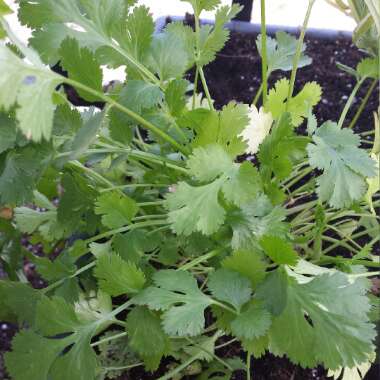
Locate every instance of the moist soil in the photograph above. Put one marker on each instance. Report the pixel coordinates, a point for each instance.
(235, 75)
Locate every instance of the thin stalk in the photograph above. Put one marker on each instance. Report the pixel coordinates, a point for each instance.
(108, 339)
(233, 340)
(249, 357)
(341, 260)
(195, 86)
(258, 94)
(180, 368)
(200, 259)
(350, 101)
(205, 87)
(126, 367)
(225, 307)
(264, 57)
(62, 280)
(125, 229)
(148, 125)
(299, 52)
(363, 104)
(134, 186)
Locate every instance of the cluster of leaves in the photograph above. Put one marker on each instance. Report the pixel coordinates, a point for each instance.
(157, 220)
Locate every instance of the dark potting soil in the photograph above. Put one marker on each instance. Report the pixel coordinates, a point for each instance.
(235, 75)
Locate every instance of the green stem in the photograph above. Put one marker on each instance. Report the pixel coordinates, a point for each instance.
(258, 94)
(205, 87)
(341, 260)
(61, 281)
(264, 57)
(195, 86)
(108, 369)
(180, 368)
(200, 259)
(299, 52)
(249, 357)
(135, 186)
(350, 101)
(363, 104)
(108, 339)
(148, 125)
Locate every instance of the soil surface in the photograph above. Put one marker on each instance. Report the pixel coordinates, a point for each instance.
(235, 75)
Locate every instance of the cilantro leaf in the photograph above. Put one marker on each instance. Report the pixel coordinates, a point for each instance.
(368, 67)
(177, 294)
(345, 166)
(117, 276)
(203, 5)
(144, 327)
(194, 209)
(299, 106)
(31, 88)
(175, 96)
(224, 128)
(281, 51)
(82, 67)
(213, 38)
(230, 287)
(116, 209)
(252, 323)
(8, 132)
(55, 317)
(248, 264)
(22, 169)
(279, 250)
(325, 321)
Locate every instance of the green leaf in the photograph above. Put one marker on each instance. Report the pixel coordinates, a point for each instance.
(86, 134)
(30, 87)
(4, 9)
(325, 321)
(203, 5)
(279, 250)
(116, 209)
(194, 209)
(82, 67)
(175, 96)
(345, 166)
(213, 38)
(8, 132)
(177, 294)
(256, 219)
(248, 264)
(252, 323)
(299, 106)
(168, 57)
(281, 51)
(229, 286)
(21, 171)
(117, 277)
(369, 68)
(141, 95)
(144, 327)
(208, 163)
(66, 356)
(18, 302)
(75, 210)
(223, 128)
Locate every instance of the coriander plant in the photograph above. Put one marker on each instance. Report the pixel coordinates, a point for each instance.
(170, 228)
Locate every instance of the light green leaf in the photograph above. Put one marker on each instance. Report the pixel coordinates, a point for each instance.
(116, 209)
(252, 323)
(281, 51)
(345, 166)
(194, 209)
(177, 294)
(339, 333)
(140, 95)
(21, 171)
(144, 327)
(299, 106)
(31, 88)
(82, 67)
(248, 264)
(8, 132)
(200, 5)
(117, 277)
(229, 286)
(280, 251)
(369, 68)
